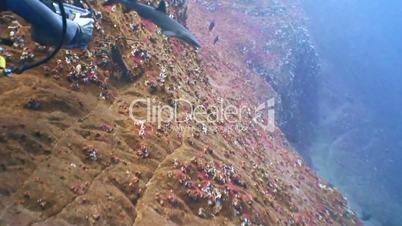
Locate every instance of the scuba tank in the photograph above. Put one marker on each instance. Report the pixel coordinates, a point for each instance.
(72, 10)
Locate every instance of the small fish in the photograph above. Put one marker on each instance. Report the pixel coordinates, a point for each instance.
(211, 25)
(216, 39)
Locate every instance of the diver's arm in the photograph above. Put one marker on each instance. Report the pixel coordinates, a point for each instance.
(47, 25)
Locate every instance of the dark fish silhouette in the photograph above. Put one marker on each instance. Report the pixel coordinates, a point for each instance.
(216, 39)
(211, 25)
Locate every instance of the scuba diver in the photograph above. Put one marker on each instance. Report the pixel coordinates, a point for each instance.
(49, 28)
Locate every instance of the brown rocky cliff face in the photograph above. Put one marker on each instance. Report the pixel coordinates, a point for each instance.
(80, 160)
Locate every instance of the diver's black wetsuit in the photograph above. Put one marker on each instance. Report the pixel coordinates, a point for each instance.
(47, 25)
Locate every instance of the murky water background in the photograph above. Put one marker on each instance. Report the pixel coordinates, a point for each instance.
(358, 146)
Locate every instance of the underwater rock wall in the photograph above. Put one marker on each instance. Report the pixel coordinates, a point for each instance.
(72, 155)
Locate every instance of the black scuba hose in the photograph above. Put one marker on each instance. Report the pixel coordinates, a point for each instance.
(20, 69)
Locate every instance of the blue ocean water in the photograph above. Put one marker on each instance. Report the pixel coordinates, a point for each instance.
(358, 145)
